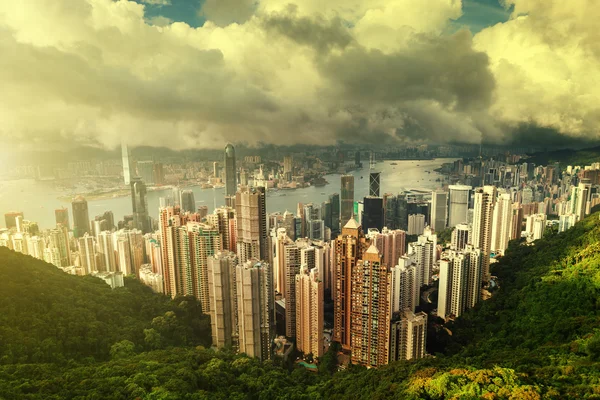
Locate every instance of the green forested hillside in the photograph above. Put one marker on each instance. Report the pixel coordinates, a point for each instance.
(49, 316)
(566, 157)
(537, 338)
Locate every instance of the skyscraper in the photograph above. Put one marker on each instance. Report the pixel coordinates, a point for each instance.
(458, 204)
(581, 204)
(460, 282)
(334, 199)
(326, 214)
(205, 241)
(517, 221)
(349, 248)
(280, 241)
(255, 305)
(230, 171)
(107, 252)
(62, 216)
(224, 219)
(359, 208)
(396, 211)
(347, 206)
(188, 203)
(81, 217)
(374, 184)
(189, 247)
(139, 205)
(566, 221)
(391, 244)
(291, 267)
(36, 246)
(371, 311)
(288, 168)
(51, 256)
(123, 252)
(87, 254)
(416, 224)
(251, 217)
(202, 211)
(535, 226)
(146, 171)
(222, 299)
(158, 174)
(11, 219)
(126, 158)
(424, 253)
(501, 224)
(373, 213)
(408, 336)
(59, 239)
(460, 237)
(404, 286)
(169, 220)
(309, 311)
(483, 207)
(439, 210)
(136, 250)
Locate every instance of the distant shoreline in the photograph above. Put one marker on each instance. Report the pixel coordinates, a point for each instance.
(111, 194)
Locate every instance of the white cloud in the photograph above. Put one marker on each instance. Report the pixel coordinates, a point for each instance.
(160, 20)
(546, 60)
(96, 71)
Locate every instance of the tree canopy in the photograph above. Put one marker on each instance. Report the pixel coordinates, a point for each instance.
(538, 337)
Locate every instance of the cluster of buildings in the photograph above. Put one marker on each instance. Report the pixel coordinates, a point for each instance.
(250, 269)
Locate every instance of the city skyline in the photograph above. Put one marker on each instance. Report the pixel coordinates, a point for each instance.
(257, 273)
(339, 199)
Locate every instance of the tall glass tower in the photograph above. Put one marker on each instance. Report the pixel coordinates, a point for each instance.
(230, 171)
(139, 205)
(126, 157)
(81, 218)
(347, 209)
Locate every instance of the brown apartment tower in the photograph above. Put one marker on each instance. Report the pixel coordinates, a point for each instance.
(349, 248)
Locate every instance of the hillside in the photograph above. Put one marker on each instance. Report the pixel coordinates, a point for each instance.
(49, 316)
(537, 338)
(566, 157)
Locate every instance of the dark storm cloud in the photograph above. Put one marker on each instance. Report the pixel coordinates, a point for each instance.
(316, 72)
(316, 32)
(529, 134)
(444, 69)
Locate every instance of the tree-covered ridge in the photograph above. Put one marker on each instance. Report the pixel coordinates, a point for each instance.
(549, 297)
(566, 157)
(537, 338)
(49, 316)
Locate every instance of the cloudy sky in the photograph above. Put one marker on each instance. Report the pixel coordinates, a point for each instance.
(200, 73)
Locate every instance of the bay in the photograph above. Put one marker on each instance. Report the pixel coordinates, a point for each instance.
(38, 199)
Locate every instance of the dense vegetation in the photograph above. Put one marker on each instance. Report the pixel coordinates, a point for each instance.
(538, 337)
(566, 157)
(49, 316)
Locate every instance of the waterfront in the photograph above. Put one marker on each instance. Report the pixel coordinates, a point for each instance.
(39, 199)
